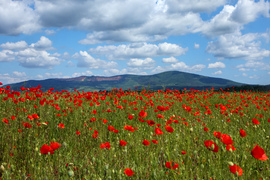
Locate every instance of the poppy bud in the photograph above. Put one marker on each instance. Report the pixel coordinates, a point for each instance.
(230, 150)
(191, 129)
(36, 149)
(230, 163)
(267, 137)
(212, 147)
(70, 173)
(2, 168)
(64, 144)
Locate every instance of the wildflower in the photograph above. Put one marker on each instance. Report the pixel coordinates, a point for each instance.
(143, 113)
(259, 153)
(211, 146)
(217, 134)
(158, 131)
(129, 172)
(226, 139)
(236, 169)
(55, 145)
(206, 129)
(122, 143)
(45, 149)
(243, 133)
(171, 165)
(155, 141)
(169, 129)
(230, 147)
(255, 121)
(145, 142)
(61, 125)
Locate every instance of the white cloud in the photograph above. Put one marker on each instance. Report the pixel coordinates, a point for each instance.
(216, 65)
(14, 77)
(30, 56)
(170, 60)
(237, 46)
(268, 73)
(85, 60)
(111, 72)
(49, 32)
(243, 69)
(196, 46)
(232, 18)
(179, 66)
(217, 73)
(185, 6)
(138, 50)
(86, 73)
(43, 44)
(20, 45)
(254, 77)
(244, 74)
(19, 74)
(247, 11)
(147, 63)
(17, 17)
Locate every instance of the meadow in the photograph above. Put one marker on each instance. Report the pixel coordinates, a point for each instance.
(166, 134)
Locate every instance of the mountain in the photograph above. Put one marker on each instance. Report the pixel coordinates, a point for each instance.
(168, 80)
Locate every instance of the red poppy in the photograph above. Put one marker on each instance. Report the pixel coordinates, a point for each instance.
(171, 165)
(158, 131)
(35, 116)
(123, 143)
(146, 143)
(129, 172)
(226, 139)
(143, 113)
(255, 121)
(105, 121)
(235, 169)
(243, 133)
(150, 123)
(78, 133)
(111, 128)
(155, 141)
(183, 152)
(130, 117)
(211, 146)
(129, 128)
(27, 125)
(5, 120)
(169, 129)
(55, 145)
(45, 149)
(217, 134)
(105, 145)
(61, 125)
(259, 153)
(230, 146)
(206, 129)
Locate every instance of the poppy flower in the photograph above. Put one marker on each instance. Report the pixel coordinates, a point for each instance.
(55, 145)
(171, 165)
(129, 172)
(130, 117)
(78, 133)
(105, 145)
(122, 143)
(150, 123)
(226, 139)
(211, 146)
(217, 134)
(169, 129)
(158, 131)
(155, 141)
(255, 121)
(206, 129)
(235, 169)
(61, 125)
(183, 152)
(143, 113)
(111, 128)
(45, 149)
(243, 133)
(259, 153)
(230, 146)
(129, 128)
(27, 125)
(146, 143)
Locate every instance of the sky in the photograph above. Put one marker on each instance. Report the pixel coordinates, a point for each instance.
(42, 39)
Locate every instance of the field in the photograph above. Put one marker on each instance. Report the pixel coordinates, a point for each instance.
(189, 134)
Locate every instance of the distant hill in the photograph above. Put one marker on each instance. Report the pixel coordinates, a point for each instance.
(168, 80)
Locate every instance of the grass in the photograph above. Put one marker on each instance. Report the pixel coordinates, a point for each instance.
(87, 127)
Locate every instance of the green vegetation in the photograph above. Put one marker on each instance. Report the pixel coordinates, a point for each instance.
(134, 135)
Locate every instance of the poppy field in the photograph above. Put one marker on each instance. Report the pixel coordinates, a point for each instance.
(164, 134)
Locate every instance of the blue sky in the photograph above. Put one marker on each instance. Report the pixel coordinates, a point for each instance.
(41, 39)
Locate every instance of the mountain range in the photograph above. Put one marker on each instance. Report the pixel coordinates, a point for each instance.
(165, 80)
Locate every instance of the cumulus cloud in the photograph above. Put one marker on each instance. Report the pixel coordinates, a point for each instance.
(232, 18)
(180, 66)
(216, 65)
(170, 60)
(138, 50)
(86, 73)
(85, 60)
(17, 17)
(30, 56)
(196, 46)
(217, 72)
(14, 77)
(237, 46)
(147, 63)
(112, 72)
